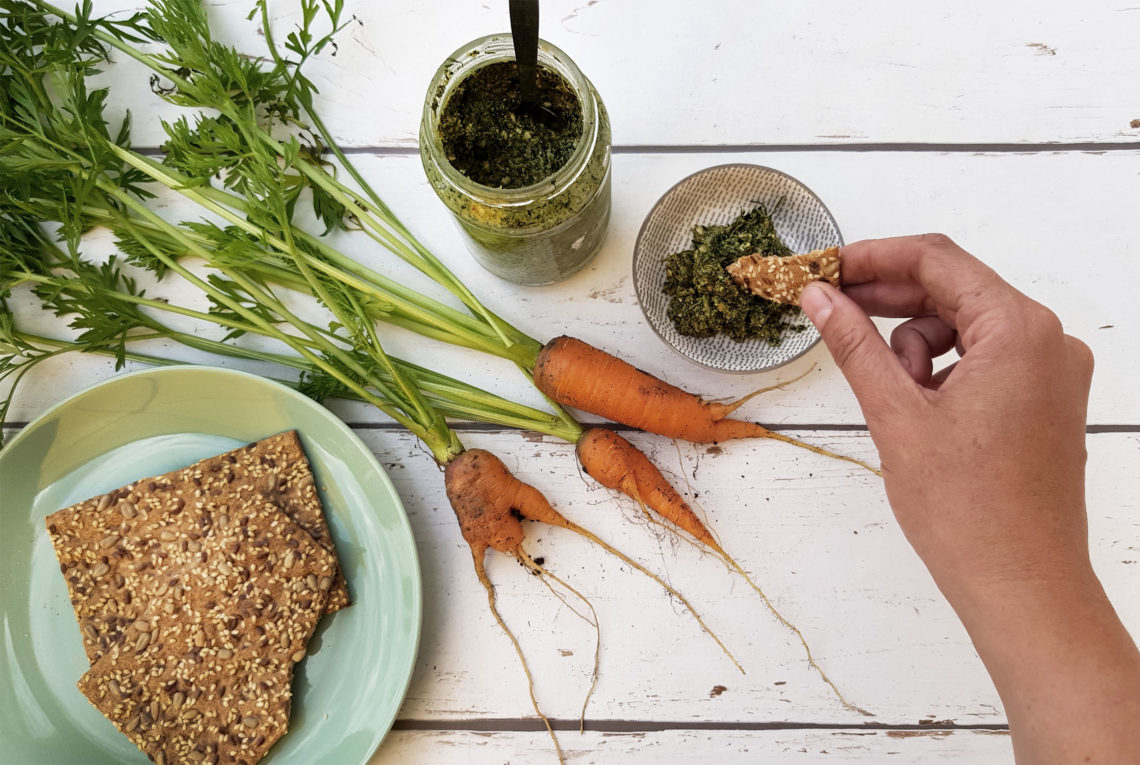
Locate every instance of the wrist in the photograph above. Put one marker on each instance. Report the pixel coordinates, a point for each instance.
(1025, 596)
(1058, 653)
(1032, 604)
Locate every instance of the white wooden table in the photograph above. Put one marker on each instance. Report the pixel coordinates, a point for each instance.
(1012, 126)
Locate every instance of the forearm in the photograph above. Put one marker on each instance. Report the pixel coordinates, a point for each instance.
(983, 464)
(1066, 669)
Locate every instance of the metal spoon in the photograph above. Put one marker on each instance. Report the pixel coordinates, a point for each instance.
(524, 33)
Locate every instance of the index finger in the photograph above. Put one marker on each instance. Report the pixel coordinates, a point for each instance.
(928, 271)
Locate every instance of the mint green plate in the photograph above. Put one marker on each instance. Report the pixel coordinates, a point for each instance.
(346, 693)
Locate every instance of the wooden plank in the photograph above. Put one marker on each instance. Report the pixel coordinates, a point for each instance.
(816, 535)
(1060, 226)
(746, 73)
(802, 747)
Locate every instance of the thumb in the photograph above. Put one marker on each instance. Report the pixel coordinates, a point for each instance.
(872, 370)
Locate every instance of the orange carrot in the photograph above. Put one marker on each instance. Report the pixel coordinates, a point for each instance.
(617, 464)
(577, 374)
(490, 503)
(483, 492)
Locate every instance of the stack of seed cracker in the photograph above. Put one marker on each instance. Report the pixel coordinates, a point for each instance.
(196, 594)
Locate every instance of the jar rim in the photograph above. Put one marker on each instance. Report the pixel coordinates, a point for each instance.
(496, 48)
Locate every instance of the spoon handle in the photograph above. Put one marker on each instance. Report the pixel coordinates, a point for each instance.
(524, 32)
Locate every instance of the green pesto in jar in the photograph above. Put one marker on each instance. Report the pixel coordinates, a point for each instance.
(549, 228)
(492, 139)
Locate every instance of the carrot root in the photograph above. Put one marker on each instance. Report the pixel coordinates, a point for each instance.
(623, 460)
(720, 411)
(481, 573)
(734, 566)
(820, 450)
(544, 574)
(661, 582)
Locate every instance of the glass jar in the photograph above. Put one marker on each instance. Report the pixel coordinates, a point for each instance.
(536, 234)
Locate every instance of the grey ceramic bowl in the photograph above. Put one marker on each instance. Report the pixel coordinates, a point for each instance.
(716, 196)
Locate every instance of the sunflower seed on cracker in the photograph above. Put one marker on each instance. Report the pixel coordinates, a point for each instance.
(208, 671)
(91, 538)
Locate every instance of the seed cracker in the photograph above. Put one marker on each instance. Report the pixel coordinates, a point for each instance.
(202, 672)
(277, 467)
(781, 280)
(103, 575)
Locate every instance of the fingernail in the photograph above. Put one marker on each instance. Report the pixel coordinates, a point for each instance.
(816, 303)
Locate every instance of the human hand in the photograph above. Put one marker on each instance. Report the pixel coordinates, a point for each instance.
(984, 464)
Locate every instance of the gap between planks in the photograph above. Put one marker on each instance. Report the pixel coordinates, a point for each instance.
(533, 725)
(823, 427)
(1088, 147)
(478, 427)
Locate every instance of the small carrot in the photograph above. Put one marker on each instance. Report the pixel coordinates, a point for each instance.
(617, 464)
(489, 502)
(577, 374)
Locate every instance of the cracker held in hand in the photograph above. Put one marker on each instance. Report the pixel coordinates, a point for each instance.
(781, 280)
(203, 670)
